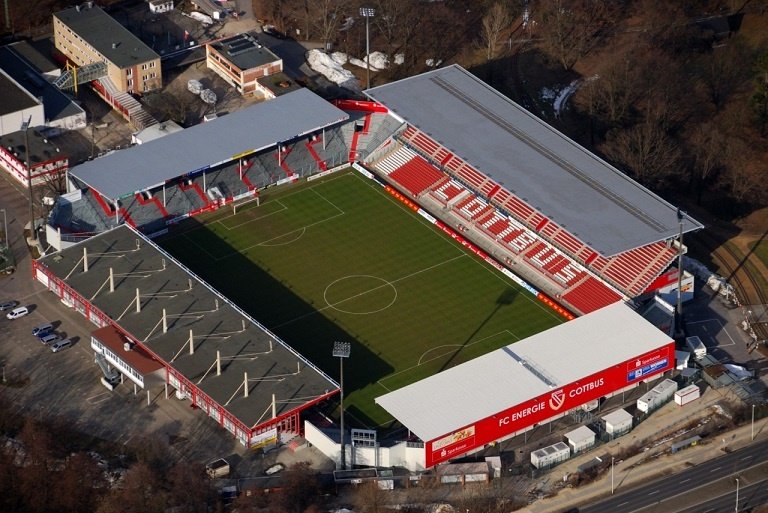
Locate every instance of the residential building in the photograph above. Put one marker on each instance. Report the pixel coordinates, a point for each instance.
(242, 61)
(86, 34)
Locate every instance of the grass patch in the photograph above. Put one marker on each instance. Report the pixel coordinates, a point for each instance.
(339, 259)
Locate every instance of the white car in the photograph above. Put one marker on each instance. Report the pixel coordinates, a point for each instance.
(17, 312)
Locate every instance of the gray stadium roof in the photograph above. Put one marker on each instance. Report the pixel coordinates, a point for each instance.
(497, 381)
(106, 35)
(190, 305)
(221, 140)
(571, 186)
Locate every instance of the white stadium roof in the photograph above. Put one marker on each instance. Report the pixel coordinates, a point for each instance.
(582, 193)
(252, 129)
(482, 387)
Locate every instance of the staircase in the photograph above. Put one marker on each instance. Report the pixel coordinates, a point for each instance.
(138, 117)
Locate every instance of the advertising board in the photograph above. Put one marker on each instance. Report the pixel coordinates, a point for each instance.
(543, 407)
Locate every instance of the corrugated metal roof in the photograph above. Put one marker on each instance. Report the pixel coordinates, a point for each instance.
(568, 184)
(254, 128)
(482, 387)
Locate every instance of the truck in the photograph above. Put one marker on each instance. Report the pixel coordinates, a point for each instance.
(696, 346)
(217, 468)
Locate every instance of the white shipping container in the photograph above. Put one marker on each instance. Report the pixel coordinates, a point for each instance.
(687, 394)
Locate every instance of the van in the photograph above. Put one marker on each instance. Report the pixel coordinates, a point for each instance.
(17, 312)
(42, 329)
(696, 346)
(61, 345)
(49, 338)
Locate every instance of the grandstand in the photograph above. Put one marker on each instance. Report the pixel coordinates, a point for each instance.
(188, 173)
(517, 187)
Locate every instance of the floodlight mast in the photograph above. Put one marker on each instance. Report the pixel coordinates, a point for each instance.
(367, 13)
(341, 350)
(33, 231)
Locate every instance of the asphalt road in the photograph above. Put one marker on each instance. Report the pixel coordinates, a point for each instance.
(658, 494)
(749, 497)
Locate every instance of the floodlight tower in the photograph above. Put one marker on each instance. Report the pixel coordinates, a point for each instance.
(33, 230)
(341, 350)
(367, 13)
(679, 332)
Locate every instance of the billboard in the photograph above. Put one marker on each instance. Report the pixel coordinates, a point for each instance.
(541, 408)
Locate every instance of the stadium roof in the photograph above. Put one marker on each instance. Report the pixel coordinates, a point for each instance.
(208, 144)
(491, 383)
(190, 304)
(566, 183)
(106, 35)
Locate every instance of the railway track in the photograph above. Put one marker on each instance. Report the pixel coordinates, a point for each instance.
(749, 289)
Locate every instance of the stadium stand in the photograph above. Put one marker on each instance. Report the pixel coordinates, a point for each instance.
(589, 295)
(416, 175)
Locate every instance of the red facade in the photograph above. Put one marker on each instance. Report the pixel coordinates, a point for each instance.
(545, 406)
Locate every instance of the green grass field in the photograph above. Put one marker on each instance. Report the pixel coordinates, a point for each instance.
(340, 259)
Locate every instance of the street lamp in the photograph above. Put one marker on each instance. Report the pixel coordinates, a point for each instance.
(25, 127)
(737, 496)
(341, 351)
(612, 459)
(753, 422)
(367, 12)
(8, 246)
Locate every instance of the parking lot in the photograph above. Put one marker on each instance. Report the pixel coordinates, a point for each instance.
(67, 384)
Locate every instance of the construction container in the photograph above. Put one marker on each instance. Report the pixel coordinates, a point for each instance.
(687, 394)
(550, 455)
(657, 396)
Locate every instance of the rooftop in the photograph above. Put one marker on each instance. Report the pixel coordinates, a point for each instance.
(222, 140)
(591, 199)
(619, 416)
(106, 35)
(41, 149)
(244, 51)
(34, 57)
(193, 310)
(580, 434)
(521, 371)
(15, 97)
(139, 360)
(56, 104)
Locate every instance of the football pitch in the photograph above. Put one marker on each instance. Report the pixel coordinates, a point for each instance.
(341, 259)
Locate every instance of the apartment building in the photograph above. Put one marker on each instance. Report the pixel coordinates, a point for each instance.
(242, 61)
(86, 34)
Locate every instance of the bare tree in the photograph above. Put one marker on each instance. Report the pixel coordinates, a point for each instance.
(571, 28)
(495, 22)
(327, 17)
(646, 151)
(707, 149)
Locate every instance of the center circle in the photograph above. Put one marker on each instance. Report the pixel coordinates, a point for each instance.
(360, 294)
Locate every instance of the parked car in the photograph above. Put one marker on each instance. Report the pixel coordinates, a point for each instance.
(61, 345)
(18, 312)
(42, 329)
(49, 338)
(7, 305)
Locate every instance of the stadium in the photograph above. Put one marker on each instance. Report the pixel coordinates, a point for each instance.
(464, 235)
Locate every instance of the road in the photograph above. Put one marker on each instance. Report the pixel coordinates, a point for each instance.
(659, 494)
(749, 497)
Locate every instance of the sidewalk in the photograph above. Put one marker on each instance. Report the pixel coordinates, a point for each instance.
(654, 462)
